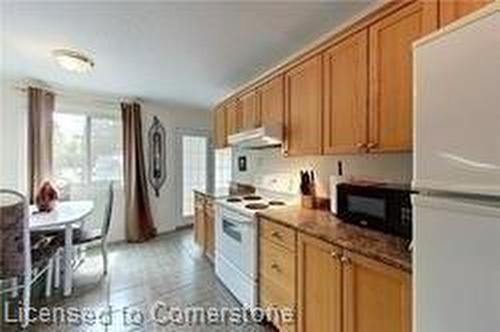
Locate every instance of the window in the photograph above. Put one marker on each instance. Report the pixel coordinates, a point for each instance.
(223, 167)
(87, 148)
(194, 170)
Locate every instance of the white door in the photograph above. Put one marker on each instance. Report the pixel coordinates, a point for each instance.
(194, 169)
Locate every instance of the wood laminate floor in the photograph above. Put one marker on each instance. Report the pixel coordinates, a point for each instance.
(168, 271)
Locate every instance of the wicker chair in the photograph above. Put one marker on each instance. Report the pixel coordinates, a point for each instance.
(23, 258)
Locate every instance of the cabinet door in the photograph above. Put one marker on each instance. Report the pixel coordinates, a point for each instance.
(209, 229)
(391, 74)
(272, 102)
(303, 109)
(250, 110)
(233, 117)
(451, 10)
(319, 286)
(219, 128)
(199, 221)
(346, 95)
(377, 297)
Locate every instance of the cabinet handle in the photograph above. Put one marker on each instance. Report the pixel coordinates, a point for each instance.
(345, 260)
(372, 145)
(276, 235)
(360, 145)
(334, 255)
(275, 267)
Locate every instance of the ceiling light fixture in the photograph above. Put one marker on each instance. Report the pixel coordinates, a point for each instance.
(73, 61)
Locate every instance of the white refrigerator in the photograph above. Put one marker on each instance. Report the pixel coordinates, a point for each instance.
(457, 171)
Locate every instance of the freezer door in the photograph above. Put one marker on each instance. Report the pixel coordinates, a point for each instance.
(457, 108)
(456, 266)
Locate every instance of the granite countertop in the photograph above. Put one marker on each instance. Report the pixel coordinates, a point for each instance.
(386, 248)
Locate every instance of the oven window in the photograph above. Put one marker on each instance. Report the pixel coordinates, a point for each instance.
(231, 230)
(374, 207)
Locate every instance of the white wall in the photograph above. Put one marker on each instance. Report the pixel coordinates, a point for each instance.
(385, 167)
(165, 209)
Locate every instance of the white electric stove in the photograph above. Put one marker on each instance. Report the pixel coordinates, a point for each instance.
(236, 234)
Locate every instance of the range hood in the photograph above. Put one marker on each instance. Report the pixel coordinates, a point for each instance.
(258, 138)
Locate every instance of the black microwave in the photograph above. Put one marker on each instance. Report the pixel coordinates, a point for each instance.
(383, 207)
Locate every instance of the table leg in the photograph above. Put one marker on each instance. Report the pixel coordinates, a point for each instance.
(68, 255)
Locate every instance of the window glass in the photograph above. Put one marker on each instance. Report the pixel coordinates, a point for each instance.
(223, 167)
(69, 147)
(194, 164)
(106, 149)
(87, 149)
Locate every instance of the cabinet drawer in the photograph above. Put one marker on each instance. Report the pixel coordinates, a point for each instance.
(279, 234)
(272, 296)
(278, 265)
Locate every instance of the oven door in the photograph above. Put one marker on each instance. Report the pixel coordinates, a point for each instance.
(236, 241)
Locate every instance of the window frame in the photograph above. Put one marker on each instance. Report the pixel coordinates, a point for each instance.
(86, 178)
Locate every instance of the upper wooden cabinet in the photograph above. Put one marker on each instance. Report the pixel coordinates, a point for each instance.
(390, 106)
(377, 297)
(233, 117)
(451, 10)
(319, 282)
(303, 108)
(219, 128)
(345, 122)
(250, 110)
(272, 101)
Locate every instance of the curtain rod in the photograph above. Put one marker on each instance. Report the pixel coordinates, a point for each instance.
(79, 95)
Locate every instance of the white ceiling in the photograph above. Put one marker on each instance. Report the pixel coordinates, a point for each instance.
(182, 53)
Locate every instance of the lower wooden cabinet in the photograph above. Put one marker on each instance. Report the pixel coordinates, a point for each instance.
(204, 223)
(377, 297)
(319, 286)
(342, 291)
(199, 219)
(209, 248)
(277, 272)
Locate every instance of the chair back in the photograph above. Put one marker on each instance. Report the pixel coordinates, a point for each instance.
(108, 211)
(15, 251)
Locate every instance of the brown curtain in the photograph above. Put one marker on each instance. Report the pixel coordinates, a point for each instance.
(139, 221)
(40, 111)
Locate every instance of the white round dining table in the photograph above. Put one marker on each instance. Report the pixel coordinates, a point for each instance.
(64, 217)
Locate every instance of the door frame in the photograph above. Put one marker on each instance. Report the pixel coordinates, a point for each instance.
(178, 180)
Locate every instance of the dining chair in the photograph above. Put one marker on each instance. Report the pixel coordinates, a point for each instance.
(24, 258)
(84, 236)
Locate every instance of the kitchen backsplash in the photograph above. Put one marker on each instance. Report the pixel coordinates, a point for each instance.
(382, 167)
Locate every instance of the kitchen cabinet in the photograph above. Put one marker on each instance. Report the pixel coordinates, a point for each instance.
(319, 286)
(199, 219)
(345, 122)
(303, 108)
(451, 10)
(377, 297)
(204, 224)
(331, 288)
(219, 128)
(209, 248)
(233, 117)
(390, 61)
(272, 102)
(277, 271)
(250, 110)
